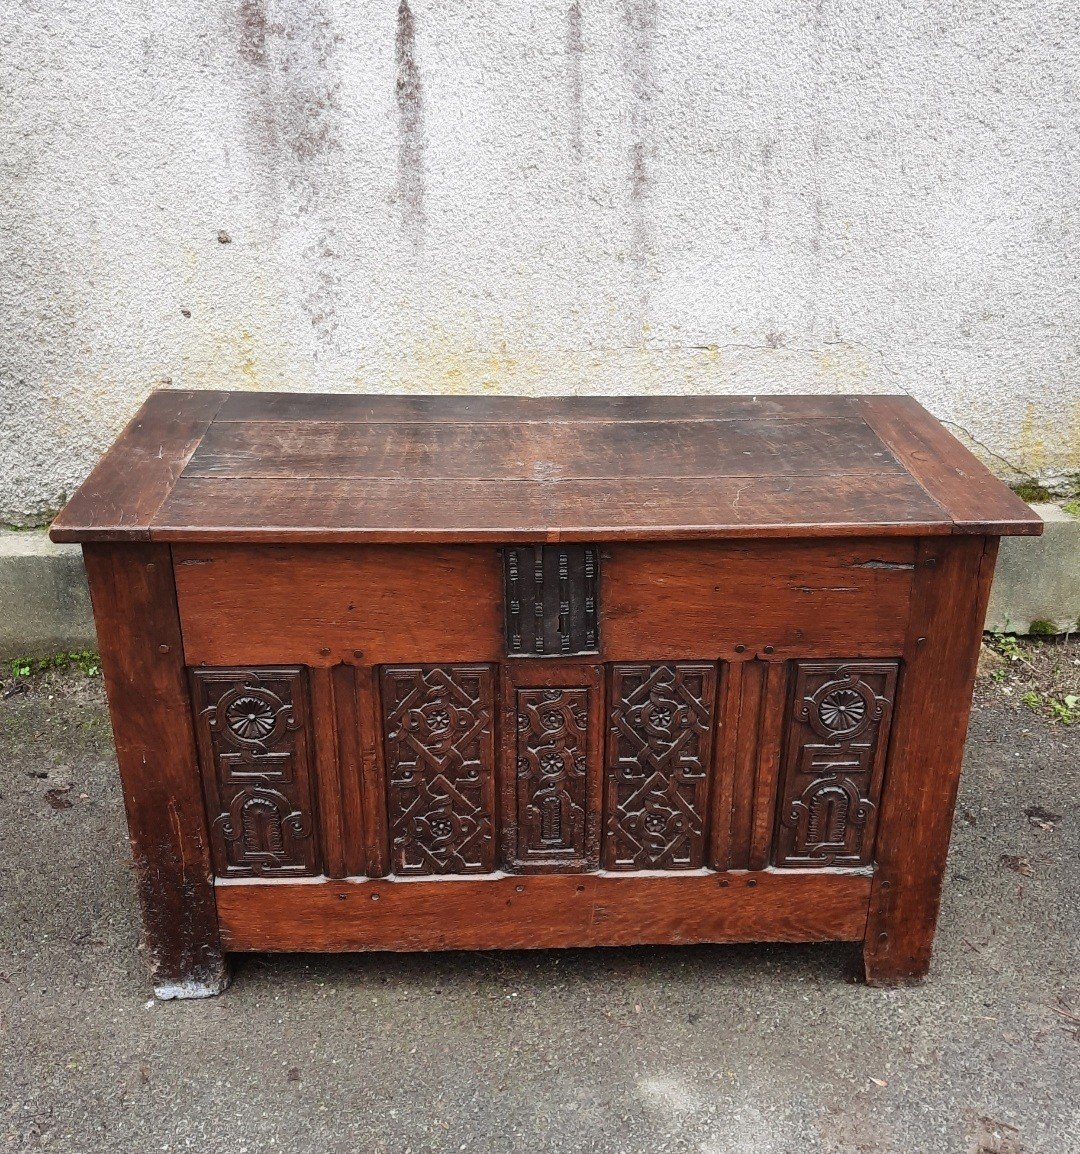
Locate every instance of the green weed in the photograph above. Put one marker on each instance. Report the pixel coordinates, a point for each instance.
(86, 661)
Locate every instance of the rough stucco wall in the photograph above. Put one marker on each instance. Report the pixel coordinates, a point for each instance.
(570, 196)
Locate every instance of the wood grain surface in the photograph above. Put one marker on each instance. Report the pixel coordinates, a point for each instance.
(121, 496)
(309, 592)
(298, 467)
(142, 663)
(543, 911)
(926, 754)
(661, 601)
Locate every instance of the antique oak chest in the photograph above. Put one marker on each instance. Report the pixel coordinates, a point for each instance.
(418, 673)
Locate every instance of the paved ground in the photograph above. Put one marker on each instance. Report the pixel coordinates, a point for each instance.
(766, 1050)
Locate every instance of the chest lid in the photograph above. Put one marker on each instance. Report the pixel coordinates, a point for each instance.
(295, 467)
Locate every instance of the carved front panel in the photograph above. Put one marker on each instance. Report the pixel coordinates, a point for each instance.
(658, 765)
(440, 768)
(254, 749)
(552, 767)
(834, 759)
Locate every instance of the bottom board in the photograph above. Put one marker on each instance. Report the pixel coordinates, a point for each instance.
(542, 911)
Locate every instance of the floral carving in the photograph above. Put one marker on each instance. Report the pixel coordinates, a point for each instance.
(253, 749)
(842, 711)
(841, 708)
(658, 764)
(552, 749)
(834, 762)
(440, 768)
(250, 718)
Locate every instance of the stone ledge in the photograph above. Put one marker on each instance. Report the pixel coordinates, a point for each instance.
(45, 604)
(1038, 578)
(44, 599)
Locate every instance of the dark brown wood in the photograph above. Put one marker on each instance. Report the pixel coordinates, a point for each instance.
(933, 705)
(134, 602)
(357, 765)
(552, 754)
(544, 911)
(975, 500)
(660, 602)
(726, 744)
(766, 599)
(744, 765)
(366, 606)
(121, 496)
(254, 737)
(366, 407)
(368, 715)
(770, 734)
(379, 511)
(838, 731)
(382, 470)
(559, 449)
(330, 766)
(660, 721)
(372, 697)
(438, 723)
(551, 600)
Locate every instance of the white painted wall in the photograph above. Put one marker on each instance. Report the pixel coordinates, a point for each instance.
(537, 196)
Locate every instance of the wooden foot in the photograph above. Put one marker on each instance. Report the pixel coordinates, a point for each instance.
(207, 984)
(889, 971)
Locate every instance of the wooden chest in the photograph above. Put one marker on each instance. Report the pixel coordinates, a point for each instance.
(416, 673)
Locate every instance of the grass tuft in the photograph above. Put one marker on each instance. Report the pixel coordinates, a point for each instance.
(84, 660)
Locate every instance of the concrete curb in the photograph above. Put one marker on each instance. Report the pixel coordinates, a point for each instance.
(45, 604)
(1037, 582)
(44, 599)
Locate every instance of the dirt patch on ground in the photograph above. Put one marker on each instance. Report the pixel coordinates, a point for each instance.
(1042, 675)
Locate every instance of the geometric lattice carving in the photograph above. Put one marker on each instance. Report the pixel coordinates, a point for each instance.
(254, 750)
(660, 725)
(552, 766)
(551, 600)
(440, 768)
(838, 732)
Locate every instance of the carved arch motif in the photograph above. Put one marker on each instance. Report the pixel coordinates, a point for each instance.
(834, 762)
(254, 751)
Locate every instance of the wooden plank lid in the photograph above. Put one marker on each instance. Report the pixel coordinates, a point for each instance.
(283, 467)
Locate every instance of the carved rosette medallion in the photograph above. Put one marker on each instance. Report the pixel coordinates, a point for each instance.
(658, 765)
(254, 750)
(437, 726)
(834, 762)
(552, 768)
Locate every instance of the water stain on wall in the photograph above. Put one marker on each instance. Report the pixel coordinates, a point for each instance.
(438, 363)
(287, 65)
(574, 52)
(639, 18)
(409, 97)
(1047, 446)
(252, 18)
